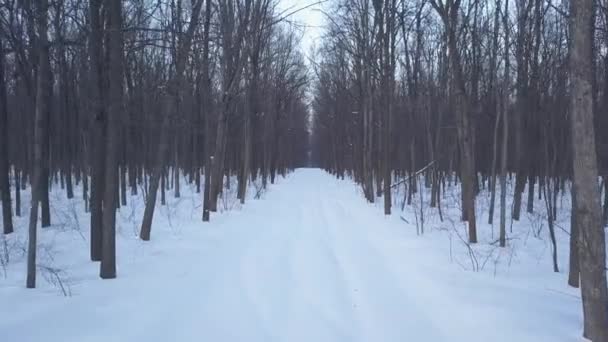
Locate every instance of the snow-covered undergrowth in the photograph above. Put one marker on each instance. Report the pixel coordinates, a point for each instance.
(309, 261)
(523, 270)
(528, 251)
(63, 248)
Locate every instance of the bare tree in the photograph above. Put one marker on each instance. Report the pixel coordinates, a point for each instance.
(173, 105)
(98, 129)
(505, 128)
(5, 189)
(114, 113)
(591, 237)
(234, 17)
(41, 124)
(449, 13)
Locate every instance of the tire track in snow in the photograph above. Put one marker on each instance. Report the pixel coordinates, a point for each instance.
(320, 305)
(265, 272)
(388, 312)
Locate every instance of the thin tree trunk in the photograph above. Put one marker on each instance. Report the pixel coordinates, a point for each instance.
(176, 192)
(531, 184)
(98, 128)
(206, 94)
(494, 105)
(69, 188)
(551, 219)
(574, 270)
(47, 91)
(18, 180)
(5, 188)
(123, 184)
(605, 213)
(505, 132)
(146, 225)
(493, 176)
(85, 192)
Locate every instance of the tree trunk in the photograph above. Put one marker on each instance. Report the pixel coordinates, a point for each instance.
(146, 225)
(207, 190)
(17, 174)
(605, 214)
(493, 172)
(591, 237)
(40, 128)
(170, 112)
(115, 112)
(47, 92)
(505, 132)
(574, 270)
(5, 188)
(449, 14)
(98, 128)
(123, 184)
(494, 105)
(206, 101)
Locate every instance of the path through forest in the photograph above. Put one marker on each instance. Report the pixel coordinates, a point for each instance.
(312, 261)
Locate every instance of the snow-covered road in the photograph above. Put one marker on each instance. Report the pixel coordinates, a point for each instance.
(312, 261)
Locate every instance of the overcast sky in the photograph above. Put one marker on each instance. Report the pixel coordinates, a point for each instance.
(310, 20)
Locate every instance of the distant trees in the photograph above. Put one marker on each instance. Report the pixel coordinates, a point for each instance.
(119, 96)
(483, 92)
(480, 91)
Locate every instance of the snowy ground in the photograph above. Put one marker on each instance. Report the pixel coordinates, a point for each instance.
(310, 261)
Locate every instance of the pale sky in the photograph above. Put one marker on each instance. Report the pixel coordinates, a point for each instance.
(310, 20)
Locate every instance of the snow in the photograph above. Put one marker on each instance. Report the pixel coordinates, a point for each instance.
(310, 261)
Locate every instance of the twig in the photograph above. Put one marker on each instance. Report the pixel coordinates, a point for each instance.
(53, 276)
(414, 175)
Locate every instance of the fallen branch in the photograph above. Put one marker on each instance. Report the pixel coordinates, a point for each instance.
(414, 175)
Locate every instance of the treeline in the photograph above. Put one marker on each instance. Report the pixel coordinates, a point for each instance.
(414, 93)
(119, 96)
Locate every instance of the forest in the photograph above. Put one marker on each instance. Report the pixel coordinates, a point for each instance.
(113, 101)
(424, 93)
(128, 97)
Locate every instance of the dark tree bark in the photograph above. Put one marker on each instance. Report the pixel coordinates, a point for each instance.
(524, 9)
(591, 237)
(206, 100)
(234, 19)
(5, 189)
(17, 174)
(605, 213)
(98, 129)
(574, 270)
(448, 12)
(494, 103)
(505, 130)
(40, 132)
(114, 111)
